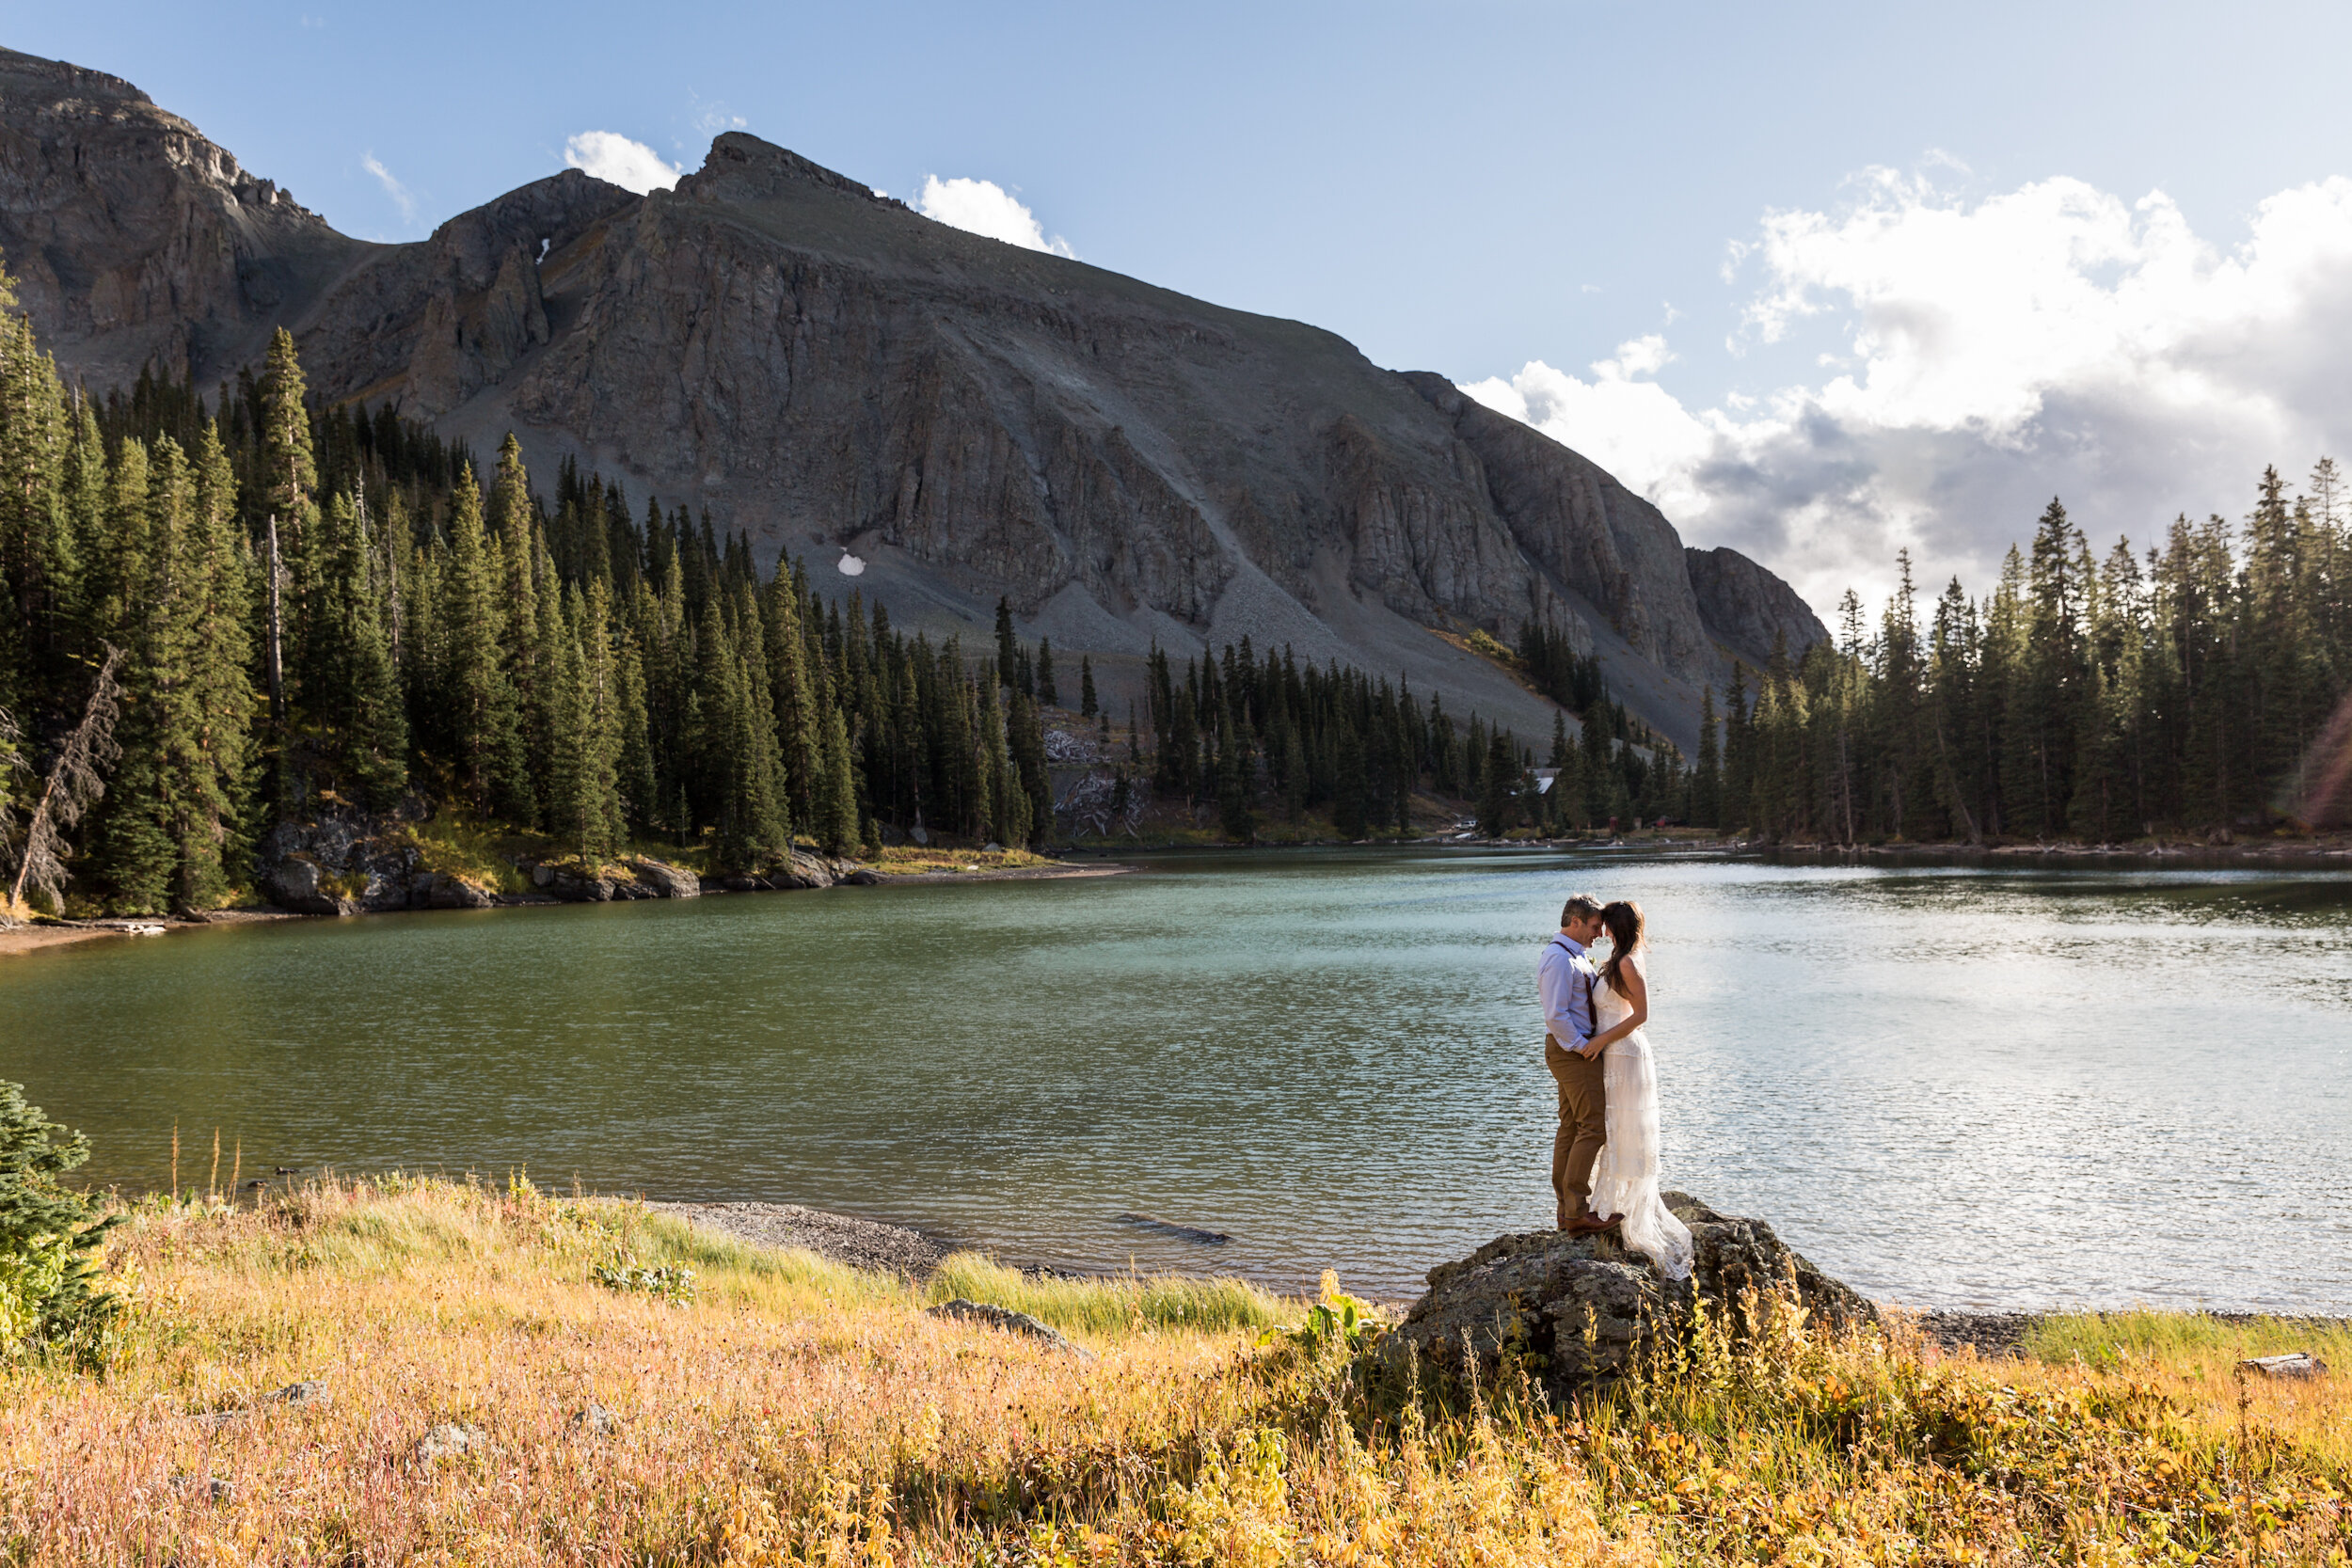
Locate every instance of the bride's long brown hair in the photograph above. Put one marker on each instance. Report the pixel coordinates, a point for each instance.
(1623, 921)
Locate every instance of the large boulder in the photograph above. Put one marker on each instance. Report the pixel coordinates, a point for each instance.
(1575, 1313)
(667, 881)
(438, 889)
(575, 882)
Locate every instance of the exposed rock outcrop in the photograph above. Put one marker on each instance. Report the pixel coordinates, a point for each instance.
(1748, 608)
(1574, 1312)
(821, 367)
(667, 881)
(350, 863)
(135, 241)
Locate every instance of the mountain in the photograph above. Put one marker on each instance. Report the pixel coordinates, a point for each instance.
(842, 377)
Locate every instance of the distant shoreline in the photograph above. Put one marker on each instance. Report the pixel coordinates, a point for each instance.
(38, 938)
(2330, 853)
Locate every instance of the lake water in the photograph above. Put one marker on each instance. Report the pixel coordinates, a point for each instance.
(1952, 1087)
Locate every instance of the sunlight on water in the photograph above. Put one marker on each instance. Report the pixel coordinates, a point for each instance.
(1948, 1086)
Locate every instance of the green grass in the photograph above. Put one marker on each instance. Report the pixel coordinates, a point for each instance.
(453, 843)
(1108, 1307)
(2108, 1340)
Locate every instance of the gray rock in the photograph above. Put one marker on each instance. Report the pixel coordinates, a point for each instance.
(572, 884)
(1011, 1322)
(1748, 608)
(296, 882)
(1576, 1312)
(2297, 1366)
(667, 881)
(861, 878)
(308, 1392)
(448, 1441)
(431, 890)
(1181, 1232)
(595, 1420)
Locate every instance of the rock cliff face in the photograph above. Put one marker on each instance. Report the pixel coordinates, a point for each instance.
(826, 368)
(1749, 609)
(135, 241)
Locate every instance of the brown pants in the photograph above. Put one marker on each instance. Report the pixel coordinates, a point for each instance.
(1583, 1128)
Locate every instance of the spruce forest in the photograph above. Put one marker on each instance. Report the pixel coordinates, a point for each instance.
(228, 613)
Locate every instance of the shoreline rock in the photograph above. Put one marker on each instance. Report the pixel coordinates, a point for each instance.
(1576, 1312)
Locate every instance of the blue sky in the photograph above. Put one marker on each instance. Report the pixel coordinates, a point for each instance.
(1822, 279)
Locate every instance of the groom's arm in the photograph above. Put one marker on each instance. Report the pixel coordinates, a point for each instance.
(1567, 1016)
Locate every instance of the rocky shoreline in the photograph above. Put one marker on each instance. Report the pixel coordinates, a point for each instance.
(553, 883)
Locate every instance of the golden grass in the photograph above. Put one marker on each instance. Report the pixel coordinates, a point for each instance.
(453, 843)
(797, 1411)
(905, 860)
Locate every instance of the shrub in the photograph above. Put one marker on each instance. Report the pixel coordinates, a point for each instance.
(1482, 644)
(49, 1293)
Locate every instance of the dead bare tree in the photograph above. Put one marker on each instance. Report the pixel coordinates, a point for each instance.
(76, 781)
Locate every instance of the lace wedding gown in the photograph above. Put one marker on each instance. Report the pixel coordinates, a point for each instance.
(1626, 1180)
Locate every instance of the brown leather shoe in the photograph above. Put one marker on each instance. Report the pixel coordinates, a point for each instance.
(1584, 1225)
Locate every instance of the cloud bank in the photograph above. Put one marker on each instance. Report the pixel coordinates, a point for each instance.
(611, 156)
(984, 207)
(1979, 357)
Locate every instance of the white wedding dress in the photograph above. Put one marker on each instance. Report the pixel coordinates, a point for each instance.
(1626, 1180)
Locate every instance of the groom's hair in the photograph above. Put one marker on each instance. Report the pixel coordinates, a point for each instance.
(1582, 907)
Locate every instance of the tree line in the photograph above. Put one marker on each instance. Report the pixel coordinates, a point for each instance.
(224, 612)
(2199, 686)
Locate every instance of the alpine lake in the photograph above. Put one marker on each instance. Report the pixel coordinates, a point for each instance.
(1953, 1087)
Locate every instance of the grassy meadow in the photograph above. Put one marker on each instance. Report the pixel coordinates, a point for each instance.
(486, 1395)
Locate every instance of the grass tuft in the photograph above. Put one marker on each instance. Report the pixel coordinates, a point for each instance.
(1109, 1306)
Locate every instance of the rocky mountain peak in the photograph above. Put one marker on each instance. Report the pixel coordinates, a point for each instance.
(774, 344)
(741, 166)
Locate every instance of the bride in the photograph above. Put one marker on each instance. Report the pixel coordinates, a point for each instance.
(1626, 1180)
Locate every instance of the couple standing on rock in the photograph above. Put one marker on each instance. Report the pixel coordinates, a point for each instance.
(1604, 1159)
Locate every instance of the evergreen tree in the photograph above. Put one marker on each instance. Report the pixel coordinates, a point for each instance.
(1045, 675)
(836, 822)
(1349, 812)
(1008, 650)
(1497, 778)
(1706, 780)
(1088, 708)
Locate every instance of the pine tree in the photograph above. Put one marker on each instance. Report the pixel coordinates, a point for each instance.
(836, 822)
(353, 695)
(1088, 708)
(1348, 807)
(487, 730)
(1008, 650)
(1498, 777)
(1707, 781)
(1233, 786)
(1045, 675)
(1025, 733)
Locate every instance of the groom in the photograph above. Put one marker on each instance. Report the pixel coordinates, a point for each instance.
(1564, 977)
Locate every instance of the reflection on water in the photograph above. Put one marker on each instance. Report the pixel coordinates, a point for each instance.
(1949, 1087)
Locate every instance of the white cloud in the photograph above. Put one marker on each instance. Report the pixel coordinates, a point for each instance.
(1983, 357)
(630, 164)
(984, 207)
(402, 197)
